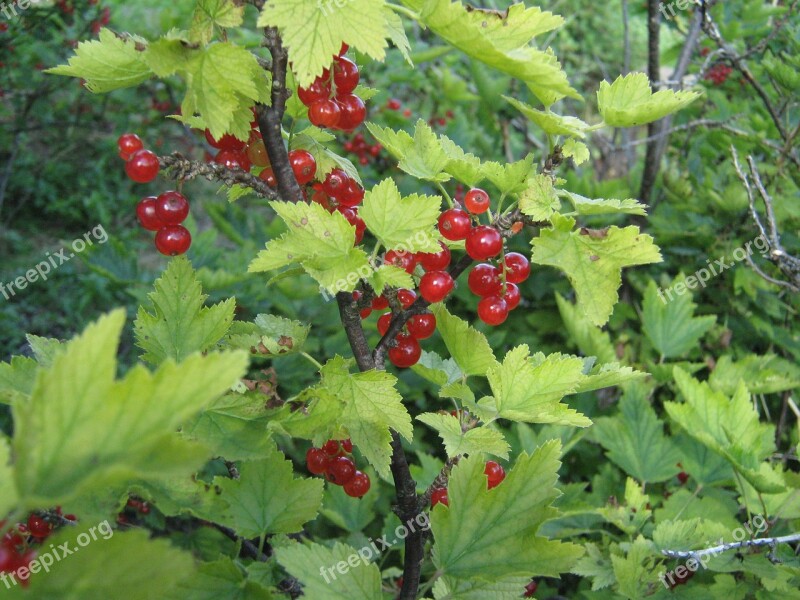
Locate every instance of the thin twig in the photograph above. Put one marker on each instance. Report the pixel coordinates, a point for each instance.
(179, 168)
(758, 542)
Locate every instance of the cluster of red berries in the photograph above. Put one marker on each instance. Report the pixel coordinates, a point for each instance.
(133, 506)
(330, 99)
(17, 547)
(365, 151)
(495, 474)
(341, 192)
(718, 74)
(334, 461)
(164, 214)
(141, 165)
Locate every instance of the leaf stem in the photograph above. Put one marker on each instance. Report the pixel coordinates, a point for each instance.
(445, 194)
(311, 359)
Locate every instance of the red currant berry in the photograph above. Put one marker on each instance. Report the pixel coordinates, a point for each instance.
(331, 448)
(341, 470)
(406, 351)
(317, 461)
(401, 259)
(439, 496)
(406, 297)
(476, 201)
(512, 296)
(172, 208)
(352, 195)
(495, 473)
(365, 312)
(128, 144)
(492, 310)
(347, 445)
(304, 165)
(517, 267)
(319, 90)
(143, 166)
(173, 240)
(454, 224)
(12, 539)
(146, 212)
(484, 242)
(226, 142)
(353, 111)
(343, 50)
(683, 477)
(8, 559)
(484, 280)
(393, 104)
(435, 261)
(324, 113)
(345, 75)
(268, 176)
(421, 327)
(384, 321)
(257, 152)
(435, 286)
(336, 183)
(38, 527)
(232, 159)
(379, 303)
(354, 220)
(358, 486)
(530, 589)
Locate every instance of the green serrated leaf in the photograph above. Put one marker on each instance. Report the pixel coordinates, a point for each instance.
(507, 588)
(577, 151)
(510, 178)
(539, 200)
(466, 168)
(179, 324)
(671, 326)
(468, 346)
(590, 339)
(595, 565)
(390, 276)
(16, 378)
(107, 63)
(766, 374)
(494, 532)
(209, 14)
(437, 370)
(44, 349)
(604, 206)
(549, 122)
(629, 101)
(8, 500)
(222, 578)
(267, 498)
(478, 440)
(271, 336)
(593, 261)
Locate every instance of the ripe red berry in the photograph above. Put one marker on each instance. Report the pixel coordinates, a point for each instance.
(146, 212)
(352, 195)
(324, 113)
(406, 297)
(439, 496)
(530, 589)
(38, 527)
(268, 176)
(484, 280)
(354, 220)
(232, 159)
(476, 201)
(353, 111)
(406, 351)
(128, 144)
(365, 312)
(341, 470)
(517, 267)
(331, 448)
(226, 142)
(335, 183)
(347, 445)
(421, 327)
(435, 286)
(319, 90)
(511, 295)
(173, 240)
(393, 104)
(435, 261)
(143, 166)
(345, 75)
(304, 165)
(358, 486)
(317, 461)
(484, 242)
(683, 477)
(384, 321)
(454, 224)
(495, 473)
(379, 303)
(401, 259)
(172, 208)
(492, 310)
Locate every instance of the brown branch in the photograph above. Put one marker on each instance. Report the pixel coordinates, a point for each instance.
(440, 481)
(270, 119)
(179, 168)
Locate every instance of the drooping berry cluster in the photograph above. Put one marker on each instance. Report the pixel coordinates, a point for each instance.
(18, 545)
(365, 152)
(330, 99)
(495, 474)
(718, 74)
(334, 461)
(164, 215)
(141, 165)
(341, 192)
